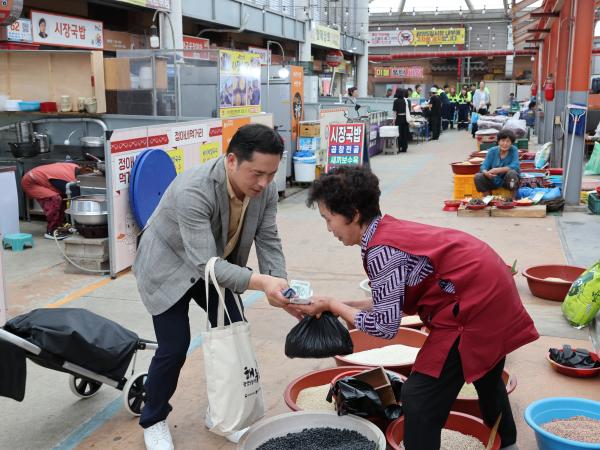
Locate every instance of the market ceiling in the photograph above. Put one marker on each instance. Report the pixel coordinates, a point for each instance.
(447, 6)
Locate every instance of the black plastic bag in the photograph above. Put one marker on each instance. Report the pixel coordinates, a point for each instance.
(318, 338)
(578, 358)
(79, 337)
(353, 396)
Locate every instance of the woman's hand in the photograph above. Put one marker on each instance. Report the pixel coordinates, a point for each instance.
(318, 306)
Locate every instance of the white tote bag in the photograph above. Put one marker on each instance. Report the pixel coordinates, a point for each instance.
(235, 398)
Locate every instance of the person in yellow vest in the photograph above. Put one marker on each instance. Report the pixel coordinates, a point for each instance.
(463, 100)
(417, 94)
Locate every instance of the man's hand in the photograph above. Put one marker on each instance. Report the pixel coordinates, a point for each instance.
(272, 287)
(318, 306)
(489, 174)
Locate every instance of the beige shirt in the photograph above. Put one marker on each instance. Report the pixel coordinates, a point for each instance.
(237, 210)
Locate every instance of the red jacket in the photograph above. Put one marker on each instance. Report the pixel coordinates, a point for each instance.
(36, 182)
(491, 322)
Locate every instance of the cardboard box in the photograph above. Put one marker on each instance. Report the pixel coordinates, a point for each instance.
(310, 129)
(378, 379)
(116, 74)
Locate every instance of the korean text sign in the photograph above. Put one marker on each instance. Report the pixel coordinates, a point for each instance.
(345, 145)
(66, 31)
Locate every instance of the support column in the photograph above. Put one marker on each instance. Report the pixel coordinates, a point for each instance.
(166, 34)
(541, 123)
(305, 47)
(565, 24)
(362, 69)
(583, 35)
(550, 105)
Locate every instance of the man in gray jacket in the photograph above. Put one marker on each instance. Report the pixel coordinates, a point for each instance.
(218, 209)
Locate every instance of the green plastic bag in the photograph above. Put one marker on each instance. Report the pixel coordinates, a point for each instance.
(582, 303)
(593, 165)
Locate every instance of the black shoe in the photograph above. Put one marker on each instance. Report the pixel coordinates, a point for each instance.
(59, 234)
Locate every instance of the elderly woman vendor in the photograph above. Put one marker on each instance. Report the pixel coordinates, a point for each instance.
(501, 166)
(457, 284)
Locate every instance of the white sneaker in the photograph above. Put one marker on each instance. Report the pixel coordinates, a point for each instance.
(158, 437)
(234, 437)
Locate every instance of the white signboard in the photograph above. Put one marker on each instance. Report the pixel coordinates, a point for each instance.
(66, 31)
(191, 134)
(18, 31)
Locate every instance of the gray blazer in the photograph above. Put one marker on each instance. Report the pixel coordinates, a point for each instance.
(189, 226)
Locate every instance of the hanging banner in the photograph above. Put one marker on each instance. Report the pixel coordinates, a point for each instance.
(265, 55)
(194, 44)
(326, 37)
(399, 72)
(163, 5)
(345, 144)
(297, 96)
(66, 31)
(417, 37)
(239, 75)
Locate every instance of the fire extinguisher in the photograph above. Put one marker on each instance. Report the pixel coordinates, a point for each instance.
(549, 89)
(534, 90)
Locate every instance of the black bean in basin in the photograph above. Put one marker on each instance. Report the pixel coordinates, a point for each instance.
(320, 439)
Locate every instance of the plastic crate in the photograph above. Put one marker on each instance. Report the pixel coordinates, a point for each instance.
(522, 144)
(487, 145)
(594, 203)
(464, 186)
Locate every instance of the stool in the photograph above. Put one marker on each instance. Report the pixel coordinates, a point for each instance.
(389, 134)
(17, 241)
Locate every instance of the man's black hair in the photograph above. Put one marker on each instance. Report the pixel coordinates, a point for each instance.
(348, 190)
(255, 138)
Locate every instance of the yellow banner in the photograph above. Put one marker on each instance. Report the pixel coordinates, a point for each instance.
(326, 37)
(438, 36)
(176, 155)
(209, 151)
(240, 91)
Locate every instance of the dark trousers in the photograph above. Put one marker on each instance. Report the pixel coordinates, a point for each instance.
(172, 329)
(435, 124)
(426, 402)
(463, 116)
(404, 133)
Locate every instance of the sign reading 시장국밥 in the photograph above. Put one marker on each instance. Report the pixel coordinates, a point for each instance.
(345, 145)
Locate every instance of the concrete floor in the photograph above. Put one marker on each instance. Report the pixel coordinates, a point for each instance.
(414, 186)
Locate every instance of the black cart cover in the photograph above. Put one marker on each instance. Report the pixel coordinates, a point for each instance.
(79, 337)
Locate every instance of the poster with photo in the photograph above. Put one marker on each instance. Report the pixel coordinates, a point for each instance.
(240, 91)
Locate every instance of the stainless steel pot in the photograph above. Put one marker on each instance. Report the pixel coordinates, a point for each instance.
(89, 210)
(92, 141)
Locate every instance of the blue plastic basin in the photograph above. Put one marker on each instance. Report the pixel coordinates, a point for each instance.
(547, 409)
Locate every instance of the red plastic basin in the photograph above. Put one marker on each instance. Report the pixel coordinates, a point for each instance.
(465, 169)
(573, 371)
(312, 379)
(363, 341)
(551, 290)
(463, 423)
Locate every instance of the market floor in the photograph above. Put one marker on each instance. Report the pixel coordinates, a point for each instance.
(414, 186)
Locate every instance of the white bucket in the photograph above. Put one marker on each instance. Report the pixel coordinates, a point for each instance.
(304, 168)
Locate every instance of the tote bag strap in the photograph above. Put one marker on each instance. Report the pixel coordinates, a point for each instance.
(209, 276)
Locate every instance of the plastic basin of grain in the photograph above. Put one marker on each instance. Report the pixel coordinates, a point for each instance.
(557, 408)
(405, 336)
(462, 423)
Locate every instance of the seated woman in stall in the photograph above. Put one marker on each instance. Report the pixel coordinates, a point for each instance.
(459, 286)
(501, 168)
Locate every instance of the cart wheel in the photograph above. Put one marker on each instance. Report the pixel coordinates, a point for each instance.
(83, 387)
(134, 393)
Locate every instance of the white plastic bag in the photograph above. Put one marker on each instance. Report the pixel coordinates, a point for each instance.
(543, 155)
(235, 398)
